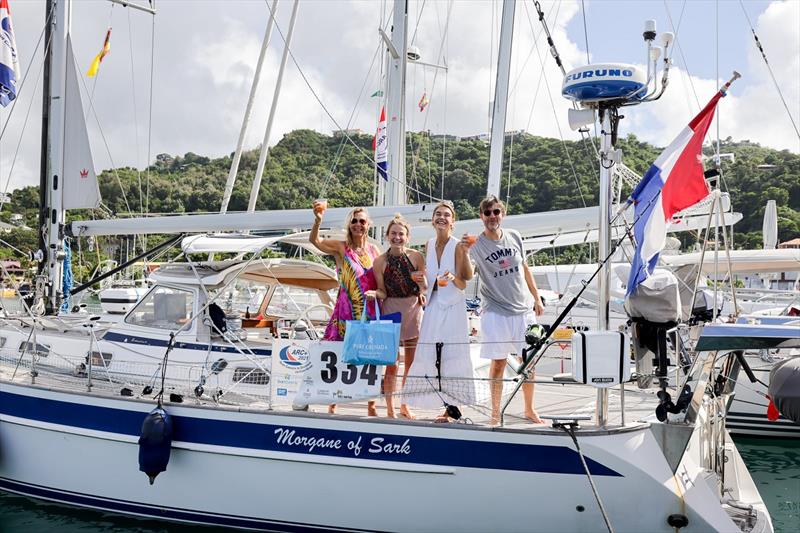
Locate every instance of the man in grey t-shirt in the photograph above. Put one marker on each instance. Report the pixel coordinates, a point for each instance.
(508, 294)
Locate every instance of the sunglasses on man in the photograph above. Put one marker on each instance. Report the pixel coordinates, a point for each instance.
(490, 212)
(362, 221)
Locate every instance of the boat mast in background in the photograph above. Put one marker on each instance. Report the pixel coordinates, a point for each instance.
(500, 105)
(237, 155)
(395, 105)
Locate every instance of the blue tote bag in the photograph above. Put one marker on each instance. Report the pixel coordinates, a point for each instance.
(371, 343)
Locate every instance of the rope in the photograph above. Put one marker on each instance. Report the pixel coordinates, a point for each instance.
(569, 428)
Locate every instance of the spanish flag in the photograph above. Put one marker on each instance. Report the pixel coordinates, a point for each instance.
(95, 66)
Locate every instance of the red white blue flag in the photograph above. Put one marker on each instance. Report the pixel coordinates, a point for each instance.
(674, 182)
(381, 146)
(9, 63)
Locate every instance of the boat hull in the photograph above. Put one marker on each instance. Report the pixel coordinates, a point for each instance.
(286, 472)
(747, 416)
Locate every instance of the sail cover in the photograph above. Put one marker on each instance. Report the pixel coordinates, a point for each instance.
(80, 189)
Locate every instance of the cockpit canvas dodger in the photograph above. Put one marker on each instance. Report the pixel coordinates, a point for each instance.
(601, 358)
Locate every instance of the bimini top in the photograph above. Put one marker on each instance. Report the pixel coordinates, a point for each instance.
(214, 274)
(605, 81)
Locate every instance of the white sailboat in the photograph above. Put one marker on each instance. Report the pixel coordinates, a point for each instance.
(246, 460)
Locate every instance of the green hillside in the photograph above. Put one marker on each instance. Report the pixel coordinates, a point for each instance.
(546, 174)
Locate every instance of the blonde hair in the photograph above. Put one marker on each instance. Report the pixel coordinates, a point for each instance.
(448, 204)
(400, 221)
(350, 217)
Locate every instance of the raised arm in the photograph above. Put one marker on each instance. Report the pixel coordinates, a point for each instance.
(326, 246)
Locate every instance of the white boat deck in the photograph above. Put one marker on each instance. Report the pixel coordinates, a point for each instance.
(552, 400)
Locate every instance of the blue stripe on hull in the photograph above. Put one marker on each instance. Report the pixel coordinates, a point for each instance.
(159, 513)
(262, 436)
(149, 341)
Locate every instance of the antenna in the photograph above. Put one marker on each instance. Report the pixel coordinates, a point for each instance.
(604, 88)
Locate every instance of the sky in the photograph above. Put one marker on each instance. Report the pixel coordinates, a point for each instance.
(203, 55)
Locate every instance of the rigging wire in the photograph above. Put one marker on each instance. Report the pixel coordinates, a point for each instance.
(585, 31)
(135, 113)
(439, 58)
(769, 68)
(25, 122)
(553, 107)
(114, 169)
(27, 71)
(676, 44)
(364, 153)
(554, 52)
(353, 115)
(419, 18)
(14, 105)
(150, 115)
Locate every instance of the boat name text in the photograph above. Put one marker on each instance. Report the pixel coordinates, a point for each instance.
(377, 445)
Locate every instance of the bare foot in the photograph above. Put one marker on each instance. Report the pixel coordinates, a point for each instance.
(442, 419)
(390, 414)
(332, 409)
(533, 416)
(405, 413)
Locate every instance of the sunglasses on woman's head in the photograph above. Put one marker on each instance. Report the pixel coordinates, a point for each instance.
(490, 212)
(362, 221)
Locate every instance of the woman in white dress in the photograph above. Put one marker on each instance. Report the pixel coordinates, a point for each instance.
(448, 269)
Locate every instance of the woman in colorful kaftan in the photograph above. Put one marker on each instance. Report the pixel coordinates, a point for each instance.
(354, 257)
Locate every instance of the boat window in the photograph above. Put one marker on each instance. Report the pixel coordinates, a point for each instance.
(251, 375)
(2, 341)
(291, 302)
(28, 347)
(242, 296)
(164, 308)
(97, 361)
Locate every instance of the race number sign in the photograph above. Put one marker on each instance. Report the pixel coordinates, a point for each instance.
(290, 360)
(328, 380)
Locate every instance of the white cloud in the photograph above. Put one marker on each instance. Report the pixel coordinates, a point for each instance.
(205, 58)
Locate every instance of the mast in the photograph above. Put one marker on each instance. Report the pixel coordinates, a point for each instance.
(395, 106)
(262, 158)
(51, 214)
(500, 105)
(237, 155)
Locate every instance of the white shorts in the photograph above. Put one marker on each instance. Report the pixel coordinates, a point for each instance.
(503, 334)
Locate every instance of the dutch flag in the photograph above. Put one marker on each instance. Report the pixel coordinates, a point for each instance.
(381, 146)
(674, 182)
(9, 64)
